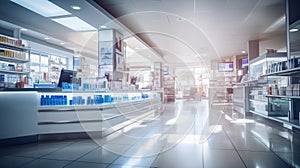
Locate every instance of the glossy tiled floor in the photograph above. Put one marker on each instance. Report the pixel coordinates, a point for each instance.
(188, 134)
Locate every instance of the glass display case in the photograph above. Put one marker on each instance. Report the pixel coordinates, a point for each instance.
(262, 87)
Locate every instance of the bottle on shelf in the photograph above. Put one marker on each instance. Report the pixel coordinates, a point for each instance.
(276, 89)
(270, 90)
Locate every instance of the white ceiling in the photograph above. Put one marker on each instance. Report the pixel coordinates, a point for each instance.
(182, 31)
(209, 29)
(13, 16)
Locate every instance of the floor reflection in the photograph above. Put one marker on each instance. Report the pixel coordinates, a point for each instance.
(187, 134)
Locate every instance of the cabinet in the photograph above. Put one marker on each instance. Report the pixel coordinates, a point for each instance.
(14, 59)
(240, 99)
(169, 87)
(266, 87)
(261, 103)
(290, 93)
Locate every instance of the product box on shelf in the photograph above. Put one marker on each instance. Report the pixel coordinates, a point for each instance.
(282, 91)
(289, 90)
(296, 89)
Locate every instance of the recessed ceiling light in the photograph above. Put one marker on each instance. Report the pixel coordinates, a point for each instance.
(61, 43)
(136, 48)
(244, 52)
(75, 7)
(47, 38)
(23, 29)
(74, 23)
(294, 30)
(103, 27)
(42, 7)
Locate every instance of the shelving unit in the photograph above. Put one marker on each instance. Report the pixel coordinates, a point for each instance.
(293, 99)
(278, 107)
(219, 90)
(169, 87)
(259, 86)
(13, 62)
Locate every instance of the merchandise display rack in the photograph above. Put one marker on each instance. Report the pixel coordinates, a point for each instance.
(14, 60)
(289, 101)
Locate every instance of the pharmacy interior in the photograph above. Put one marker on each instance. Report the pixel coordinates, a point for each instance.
(94, 77)
(63, 89)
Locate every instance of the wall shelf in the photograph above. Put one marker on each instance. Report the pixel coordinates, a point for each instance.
(279, 96)
(15, 60)
(14, 72)
(13, 47)
(288, 72)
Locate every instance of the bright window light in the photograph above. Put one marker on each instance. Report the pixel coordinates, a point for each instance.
(42, 7)
(74, 23)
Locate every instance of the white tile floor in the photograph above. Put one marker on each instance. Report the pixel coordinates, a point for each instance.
(188, 134)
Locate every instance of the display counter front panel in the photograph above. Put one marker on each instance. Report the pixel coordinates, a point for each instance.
(18, 117)
(108, 112)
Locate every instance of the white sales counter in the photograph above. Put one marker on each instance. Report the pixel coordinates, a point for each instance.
(57, 115)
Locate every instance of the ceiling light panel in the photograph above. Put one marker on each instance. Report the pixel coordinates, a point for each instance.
(74, 23)
(42, 7)
(294, 30)
(75, 7)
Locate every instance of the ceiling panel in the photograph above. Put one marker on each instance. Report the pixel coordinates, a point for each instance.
(214, 28)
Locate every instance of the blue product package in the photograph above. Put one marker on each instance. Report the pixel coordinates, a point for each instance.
(71, 102)
(74, 100)
(88, 101)
(56, 100)
(53, 100)
(106, 97)
(60, 100)
(65, 100)
(42, 100)
(92, 101)
(95, 99)
(85, 86)
(2, 78)
(47, 100)
(101, 99)
(78, 100)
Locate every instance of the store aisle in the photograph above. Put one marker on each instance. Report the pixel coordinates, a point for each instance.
(188, 134)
